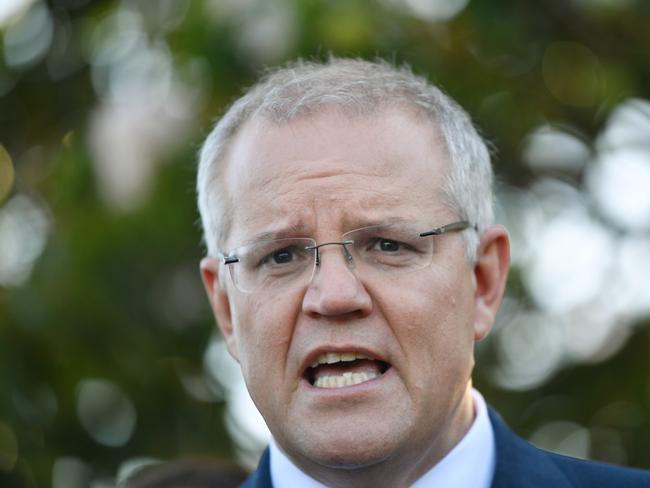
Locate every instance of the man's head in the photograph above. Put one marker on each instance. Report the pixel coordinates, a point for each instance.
(358, 353)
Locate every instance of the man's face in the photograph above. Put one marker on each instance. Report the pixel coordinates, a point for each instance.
(320, 176)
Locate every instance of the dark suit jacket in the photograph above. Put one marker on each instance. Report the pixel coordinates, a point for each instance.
(522, 465)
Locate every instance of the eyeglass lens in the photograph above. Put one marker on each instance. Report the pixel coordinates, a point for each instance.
(379, 249)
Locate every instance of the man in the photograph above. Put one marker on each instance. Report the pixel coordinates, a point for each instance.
(352, 265)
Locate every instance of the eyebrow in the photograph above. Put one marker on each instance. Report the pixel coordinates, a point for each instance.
(297, 229)
(290, 231)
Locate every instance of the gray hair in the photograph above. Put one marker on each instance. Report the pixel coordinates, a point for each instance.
(357, 87)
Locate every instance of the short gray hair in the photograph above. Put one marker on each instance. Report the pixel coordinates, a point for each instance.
(357, 87)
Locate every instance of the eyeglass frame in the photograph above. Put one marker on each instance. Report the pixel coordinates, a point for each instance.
(460, 225)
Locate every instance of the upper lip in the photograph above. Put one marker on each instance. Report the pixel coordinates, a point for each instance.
(313, 355)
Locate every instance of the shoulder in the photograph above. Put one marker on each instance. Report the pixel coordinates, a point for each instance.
(520, 464)
(594, 474)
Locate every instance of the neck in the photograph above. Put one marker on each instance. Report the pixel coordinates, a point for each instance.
(404, 468)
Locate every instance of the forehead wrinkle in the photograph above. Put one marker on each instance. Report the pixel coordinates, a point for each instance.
(338, 174)
(341, 169)
(255, 230)
(357, 207)
(280, 191)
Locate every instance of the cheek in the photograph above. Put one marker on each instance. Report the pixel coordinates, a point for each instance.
(432, 319)
(435, 301)
(263, 327)
(244, 315)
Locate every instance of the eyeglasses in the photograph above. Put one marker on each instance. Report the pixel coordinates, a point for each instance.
(377, 250)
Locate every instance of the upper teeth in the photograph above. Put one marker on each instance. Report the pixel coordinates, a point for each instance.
(335, 357)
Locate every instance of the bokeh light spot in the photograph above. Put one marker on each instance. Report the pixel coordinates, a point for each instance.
(6, 173)
(8, 448)
(530, 350)
(551, 148)
(572, 261)
(436, 10)
(27, 41)
(619, 179)
(270, 32)
(628, 126)
(23, 235)
(105, 411)
(563, 437)
(12, 10)
(69, 472)
(115, 37)
(631, 292)
(572, 73)
(620, 184)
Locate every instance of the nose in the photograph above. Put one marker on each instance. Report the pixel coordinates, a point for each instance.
(335, 290)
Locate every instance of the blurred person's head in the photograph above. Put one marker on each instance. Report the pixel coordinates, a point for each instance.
(352, 263)
(187, 473)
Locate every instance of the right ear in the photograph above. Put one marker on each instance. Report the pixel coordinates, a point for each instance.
(218, 296)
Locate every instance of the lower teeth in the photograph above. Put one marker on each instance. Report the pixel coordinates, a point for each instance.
(346, 379)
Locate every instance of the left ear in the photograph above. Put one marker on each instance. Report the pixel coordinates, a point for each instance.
(218, 296)
(490, 274)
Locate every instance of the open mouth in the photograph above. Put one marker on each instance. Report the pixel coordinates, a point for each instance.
(337, 370)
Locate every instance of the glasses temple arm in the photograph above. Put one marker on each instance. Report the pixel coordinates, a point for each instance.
(230, 259)
(460, 225)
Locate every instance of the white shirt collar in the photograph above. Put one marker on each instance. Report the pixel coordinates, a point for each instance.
(475, 449)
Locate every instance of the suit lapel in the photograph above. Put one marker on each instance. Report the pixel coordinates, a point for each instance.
(520, 464)
(261, 478)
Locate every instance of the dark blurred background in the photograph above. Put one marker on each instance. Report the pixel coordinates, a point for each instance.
(109, 357)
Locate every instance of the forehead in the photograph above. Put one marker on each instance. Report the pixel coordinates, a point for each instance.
(329, 165)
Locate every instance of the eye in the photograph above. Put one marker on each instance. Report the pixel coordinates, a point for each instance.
(282, 256)
(387, 245)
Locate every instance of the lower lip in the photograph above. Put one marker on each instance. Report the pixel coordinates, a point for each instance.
(358, 389)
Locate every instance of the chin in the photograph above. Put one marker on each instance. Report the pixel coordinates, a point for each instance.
(349, 459)
(352, 451)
